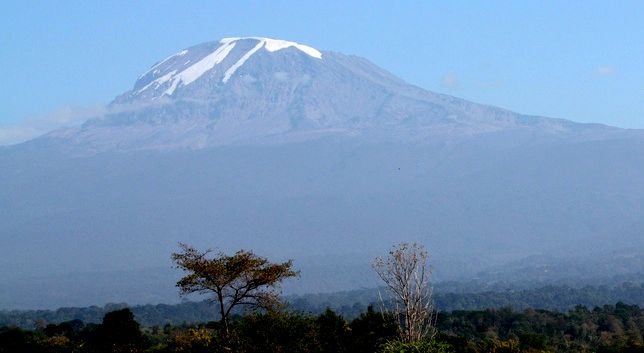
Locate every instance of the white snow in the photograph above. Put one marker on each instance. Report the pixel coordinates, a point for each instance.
(269, 44)
(199, 68)
(231, 70)
(159, 81)
(196, 70)
(181, 53)
(172, 87)
(278, 44)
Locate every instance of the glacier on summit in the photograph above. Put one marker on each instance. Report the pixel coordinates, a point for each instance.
(317, 156)
(185, 74)
(249, 90)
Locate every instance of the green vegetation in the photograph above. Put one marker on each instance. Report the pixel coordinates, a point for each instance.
(611, 328)
(453, 297)
(408, 322)
(349, 304)
(243, 279)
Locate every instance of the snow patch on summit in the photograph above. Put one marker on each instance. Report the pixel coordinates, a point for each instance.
(159, 81)
(273, 45)
(181, 53)
(199, 68)
(231, 70)
(185, 76)
(269, 44)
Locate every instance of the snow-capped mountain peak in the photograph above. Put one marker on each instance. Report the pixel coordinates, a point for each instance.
(259, 90)
(272, 45)
(188, 65)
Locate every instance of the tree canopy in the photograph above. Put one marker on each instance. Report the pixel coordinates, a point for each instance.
(240, 279)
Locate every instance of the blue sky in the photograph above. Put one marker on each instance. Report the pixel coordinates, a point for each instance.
(578, 60)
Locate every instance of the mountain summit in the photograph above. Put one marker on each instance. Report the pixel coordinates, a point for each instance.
(219, 61)
(312, 155)
(259, 90)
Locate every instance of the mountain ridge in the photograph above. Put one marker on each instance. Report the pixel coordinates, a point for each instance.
(311, 159)
(245, 92)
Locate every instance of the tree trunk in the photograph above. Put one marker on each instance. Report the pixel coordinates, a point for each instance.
(223, 320)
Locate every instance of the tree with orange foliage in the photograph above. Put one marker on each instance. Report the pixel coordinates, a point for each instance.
(240, 279)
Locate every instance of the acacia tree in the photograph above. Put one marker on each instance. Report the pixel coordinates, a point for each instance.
(240, 279)
(406, 274)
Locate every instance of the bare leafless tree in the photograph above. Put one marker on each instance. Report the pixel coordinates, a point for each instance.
(406, 274)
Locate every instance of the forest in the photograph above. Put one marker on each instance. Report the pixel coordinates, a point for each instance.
(610, 328)
(349, 304)
(245, 313)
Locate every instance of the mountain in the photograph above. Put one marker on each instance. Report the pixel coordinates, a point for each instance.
(293, 152)
(249, 90)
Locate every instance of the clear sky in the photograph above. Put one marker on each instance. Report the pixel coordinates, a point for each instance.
(578, 60)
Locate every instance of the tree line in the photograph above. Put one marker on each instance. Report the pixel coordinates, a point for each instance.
(349, 304)
(407, 321)
(610, 328)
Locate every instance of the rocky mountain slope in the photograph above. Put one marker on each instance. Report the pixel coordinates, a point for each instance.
(313, 155)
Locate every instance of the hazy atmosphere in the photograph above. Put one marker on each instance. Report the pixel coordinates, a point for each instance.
(303, 177)
(572, 61)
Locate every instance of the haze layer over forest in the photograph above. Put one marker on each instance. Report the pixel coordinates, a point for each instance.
(313, 155)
